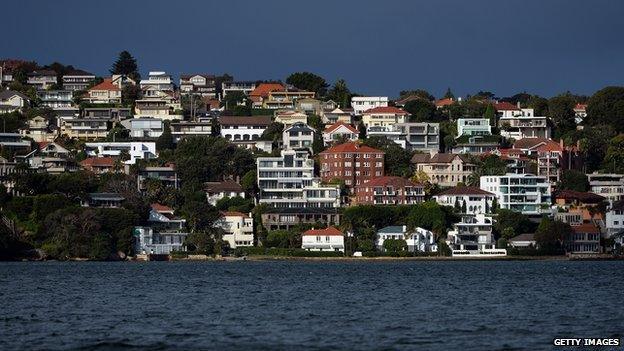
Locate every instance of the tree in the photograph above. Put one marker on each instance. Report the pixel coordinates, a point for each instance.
(273, 132)
(397, 159)
(249, 183)
(606, 107)
(126, 65)
(421, 93)
(538, 104)
(309, 82)
(518, 222)
(573, 180)
(233, 98)
(395, 245)
(361, 131)
(449, 94)
(340, 93)
(550, 235)
(561, 112)
(614, 157)
(420, 110)
(490, 115)
(165, 140)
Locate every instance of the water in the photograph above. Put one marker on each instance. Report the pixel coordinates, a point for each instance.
(303, 305)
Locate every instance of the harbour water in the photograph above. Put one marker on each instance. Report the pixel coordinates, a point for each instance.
(308, 305)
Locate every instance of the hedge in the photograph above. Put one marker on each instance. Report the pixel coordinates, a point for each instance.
(274, 251)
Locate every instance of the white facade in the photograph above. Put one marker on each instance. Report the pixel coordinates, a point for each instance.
(158, 80)
(242, 86)
(473, 237)
(329, 239)
(474, 203)
(164, 234)
(298, 136)
(525, 193)
(363, 103)
(419, 239)
(144, 127)
(519, 124)
(473, 126)
(614, 220)
(338, 132)
(136, 150)
(238, 229)
(423, 137)
(609, 185)
(55, 98)
(288, 181)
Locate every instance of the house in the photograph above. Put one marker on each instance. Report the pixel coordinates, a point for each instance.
(614, 219)
(580, 112)
(106, 92)
(552, 157)
(389, 190)
(103, 200)
(298, 136)
(246, 87)
(418, 239)
(339, 132)
(284, 218)
(39, 130)
(12, 101)
(165, 175)
(99, 165)
(343, 115)
(85, 128)
(517, 123)
(183, 129)
(14, 144)
(286, 98)
(328, 239)
(288, 181)
(243, 130)
(77, 79)
(202, 84)
(55, 98)
(444, 169)
(352, 163)
(473, 126)
(523, 241)
(261, 92)
(608, 185)
(238, 228)
(42, 79)
(517, 161)
(586, 204)
(166, 107)
(158, 80)
(525, 193)
(313, 106)
(50, 157)
(477, 144)
(442, 103)
(466, 199)
(584, 239)
(216, 191)
(424, 137)
(135, 150)
(165, 232)
(144, 127)
(472, 237)
(383, 116)
(363, 103)
(112, 114)
(290, 117)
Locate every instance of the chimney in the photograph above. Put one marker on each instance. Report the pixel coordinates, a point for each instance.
(518, 104)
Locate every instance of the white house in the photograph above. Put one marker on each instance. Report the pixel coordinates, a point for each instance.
(525, 193)
(159, 80)
(473, 237)
(77, 79)
(288, 181)
(138, 150)
(609, 185)
(363, 103)
(164, 233)
(419, 239)
(328, 239)
(614, 218)
(298, 136)
(216, 191)
(243, 129)
(386, 116)
(518, 123)
(339, 131)
(471, 198)
(144, 127)
(238, 228)
(523, 241)
(12, 101)
(55, 98)
(473, 126)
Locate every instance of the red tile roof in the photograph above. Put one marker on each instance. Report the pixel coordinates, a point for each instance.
(465, 190)
(390, 180)
(529, 143)
(505, 106)
(161, 208)
(98, 162)
(580, 107)
(263, 89)
(387, 110)
(234, 214)
(107, 84)
(444, 102)
(585, 228)
(585, 197)
(331, 231)
(338, 125)
(351, 147)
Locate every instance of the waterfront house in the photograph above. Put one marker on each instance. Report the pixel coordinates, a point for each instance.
(523, 241)
(472, 236)
(164, 233)
(466, 199)
(418, 239)
(328, 239)
(238, 228)
(525, 193)
(284, 218)
(584, 239)
(614, 218)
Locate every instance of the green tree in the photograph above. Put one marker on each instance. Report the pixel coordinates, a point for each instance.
(397, 160)
(573, 180)
(561, 112)
(361, 131)
(538, 104)
(420, 110)
(249, 183)
(126, 65)
(448, 94)
(614, 157)
(550, 234)
(518, 222)
(309, 82)
(129, 94)
(273, 132)
(395, 245)
(340, 93)
(234, 98)
(165, 140)
(606, 107)
(490, 115)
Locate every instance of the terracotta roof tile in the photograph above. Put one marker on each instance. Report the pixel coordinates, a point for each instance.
(234, 214)
(107, 84)
(387, 110)
(505, 106)
(465, 190)
(444, 102)
(351, 147)
(331, 231)
(338, 125)
(263, 89)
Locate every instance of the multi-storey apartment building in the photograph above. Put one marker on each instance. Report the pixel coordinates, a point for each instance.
(157, 80)
(551, 157)
(298, 136)
(85, 128)
(183, 129)
(77, 80)
(55, 98)
(363, 103)
(609, 185)
(444, 169)
(245, 87)
(424, 137)
(288, 181)
(351, 162)
(473, 126)
(518, 123)
(525, 193)
(42, 79)
(202, 84)
(390, 190)
(383, 116)
(166, 175)
(243, 128)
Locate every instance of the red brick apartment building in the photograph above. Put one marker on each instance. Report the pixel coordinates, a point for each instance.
(352, 162)
(389, 191)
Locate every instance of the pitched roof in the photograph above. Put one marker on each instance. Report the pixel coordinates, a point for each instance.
(392, 229)
(438, 158)
(226, 185)
(529, 143)
(161, 208)
(585, 197)
(523, 237)
(505, 106)
(351, 147)
(386, 109)
(580, 107)
(390, 180)
(465, 190)
(330, 231)
(337, 125)
(444, 102)
(245, 120)
(234, 214)
(98, 162)
(107, 84)
(7, 94)
(586, 228)
(263, 89)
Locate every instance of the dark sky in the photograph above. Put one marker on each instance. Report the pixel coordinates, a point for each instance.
(379, 47)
